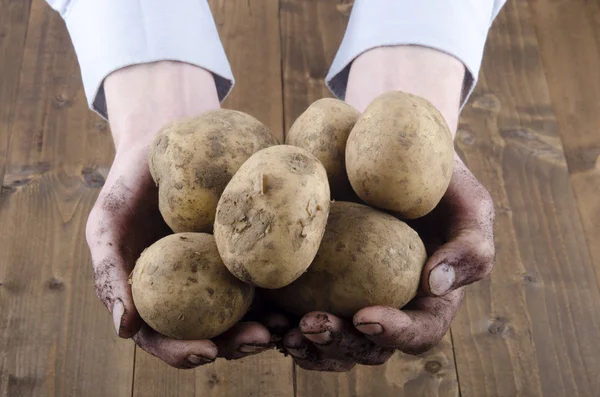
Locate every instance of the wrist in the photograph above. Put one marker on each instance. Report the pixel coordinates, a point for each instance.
(141, 99)
(428, 73)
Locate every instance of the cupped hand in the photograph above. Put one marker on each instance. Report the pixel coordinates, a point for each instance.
(459, 238)
(140, 99)
(123, 222)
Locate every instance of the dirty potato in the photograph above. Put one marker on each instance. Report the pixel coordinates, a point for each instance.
(182, 289)
(366, 258)
(272, 215)
(323, 130)
(400, 155)
(192, 161)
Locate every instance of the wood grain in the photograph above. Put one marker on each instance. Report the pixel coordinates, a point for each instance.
(529, 133)
(13, 27)
(431, 374)
(249, 30)
(56, 337)
(568, 34)
(311, 34)
(531, 329)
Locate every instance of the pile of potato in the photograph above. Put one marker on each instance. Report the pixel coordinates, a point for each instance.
(316, 222)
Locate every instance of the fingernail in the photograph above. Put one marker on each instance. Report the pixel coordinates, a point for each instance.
(441, 279)
(254, 348)
(117, 313)
(300, 353)
(370, 329)
(321, 338)
(195, 359)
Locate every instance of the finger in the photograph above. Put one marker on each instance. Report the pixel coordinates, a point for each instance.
(112, 288)
(308, 357)
(244, 339)
(412, 331)
(469, 253)
(111, 274)
(337, 338)
(177, 353)
(465, 259)
(124, 221)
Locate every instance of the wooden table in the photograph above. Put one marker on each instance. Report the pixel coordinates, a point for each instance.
(529, 132)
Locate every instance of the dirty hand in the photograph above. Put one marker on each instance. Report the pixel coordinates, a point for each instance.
(458, 235)
(125, 219)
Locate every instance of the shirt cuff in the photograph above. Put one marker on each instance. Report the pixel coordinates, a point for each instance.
(458, 28)
(110, 34)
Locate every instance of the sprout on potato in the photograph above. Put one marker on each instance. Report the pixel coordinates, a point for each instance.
(192, 161)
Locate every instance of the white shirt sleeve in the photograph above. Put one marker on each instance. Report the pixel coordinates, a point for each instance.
(457, 27)
(110, 34)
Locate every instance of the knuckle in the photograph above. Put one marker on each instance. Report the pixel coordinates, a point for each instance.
(486, 254)
(479, 256)
(422, 346)
(486, 211)
(419, 349)
(381, 353)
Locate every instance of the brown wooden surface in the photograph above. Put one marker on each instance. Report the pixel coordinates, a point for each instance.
(530, 133)
(569, 37)
(13, 28)
(532, 328)
(56, 338)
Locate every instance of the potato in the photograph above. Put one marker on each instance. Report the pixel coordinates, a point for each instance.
(399, 155)
(182, 289)
(272, 215)
(192, 161)
(323, 130)
(366, 258)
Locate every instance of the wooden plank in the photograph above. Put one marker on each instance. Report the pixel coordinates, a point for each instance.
(56, 337)
(249, 30)
(569, 35)
(14, 17)
(311, 34)
(13, 27)
(431, 374)
(531, 329)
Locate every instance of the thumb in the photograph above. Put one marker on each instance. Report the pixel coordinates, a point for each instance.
(112, 288)
(466, 258)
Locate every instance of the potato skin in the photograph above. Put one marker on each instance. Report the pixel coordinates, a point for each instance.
(272, 216)
(400, 155)
(182, 289)
(192, 161)
(366, 258)
(323, 130)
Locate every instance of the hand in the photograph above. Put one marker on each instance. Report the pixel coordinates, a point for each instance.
(125, 219)
(459, 238)
(458, 234)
